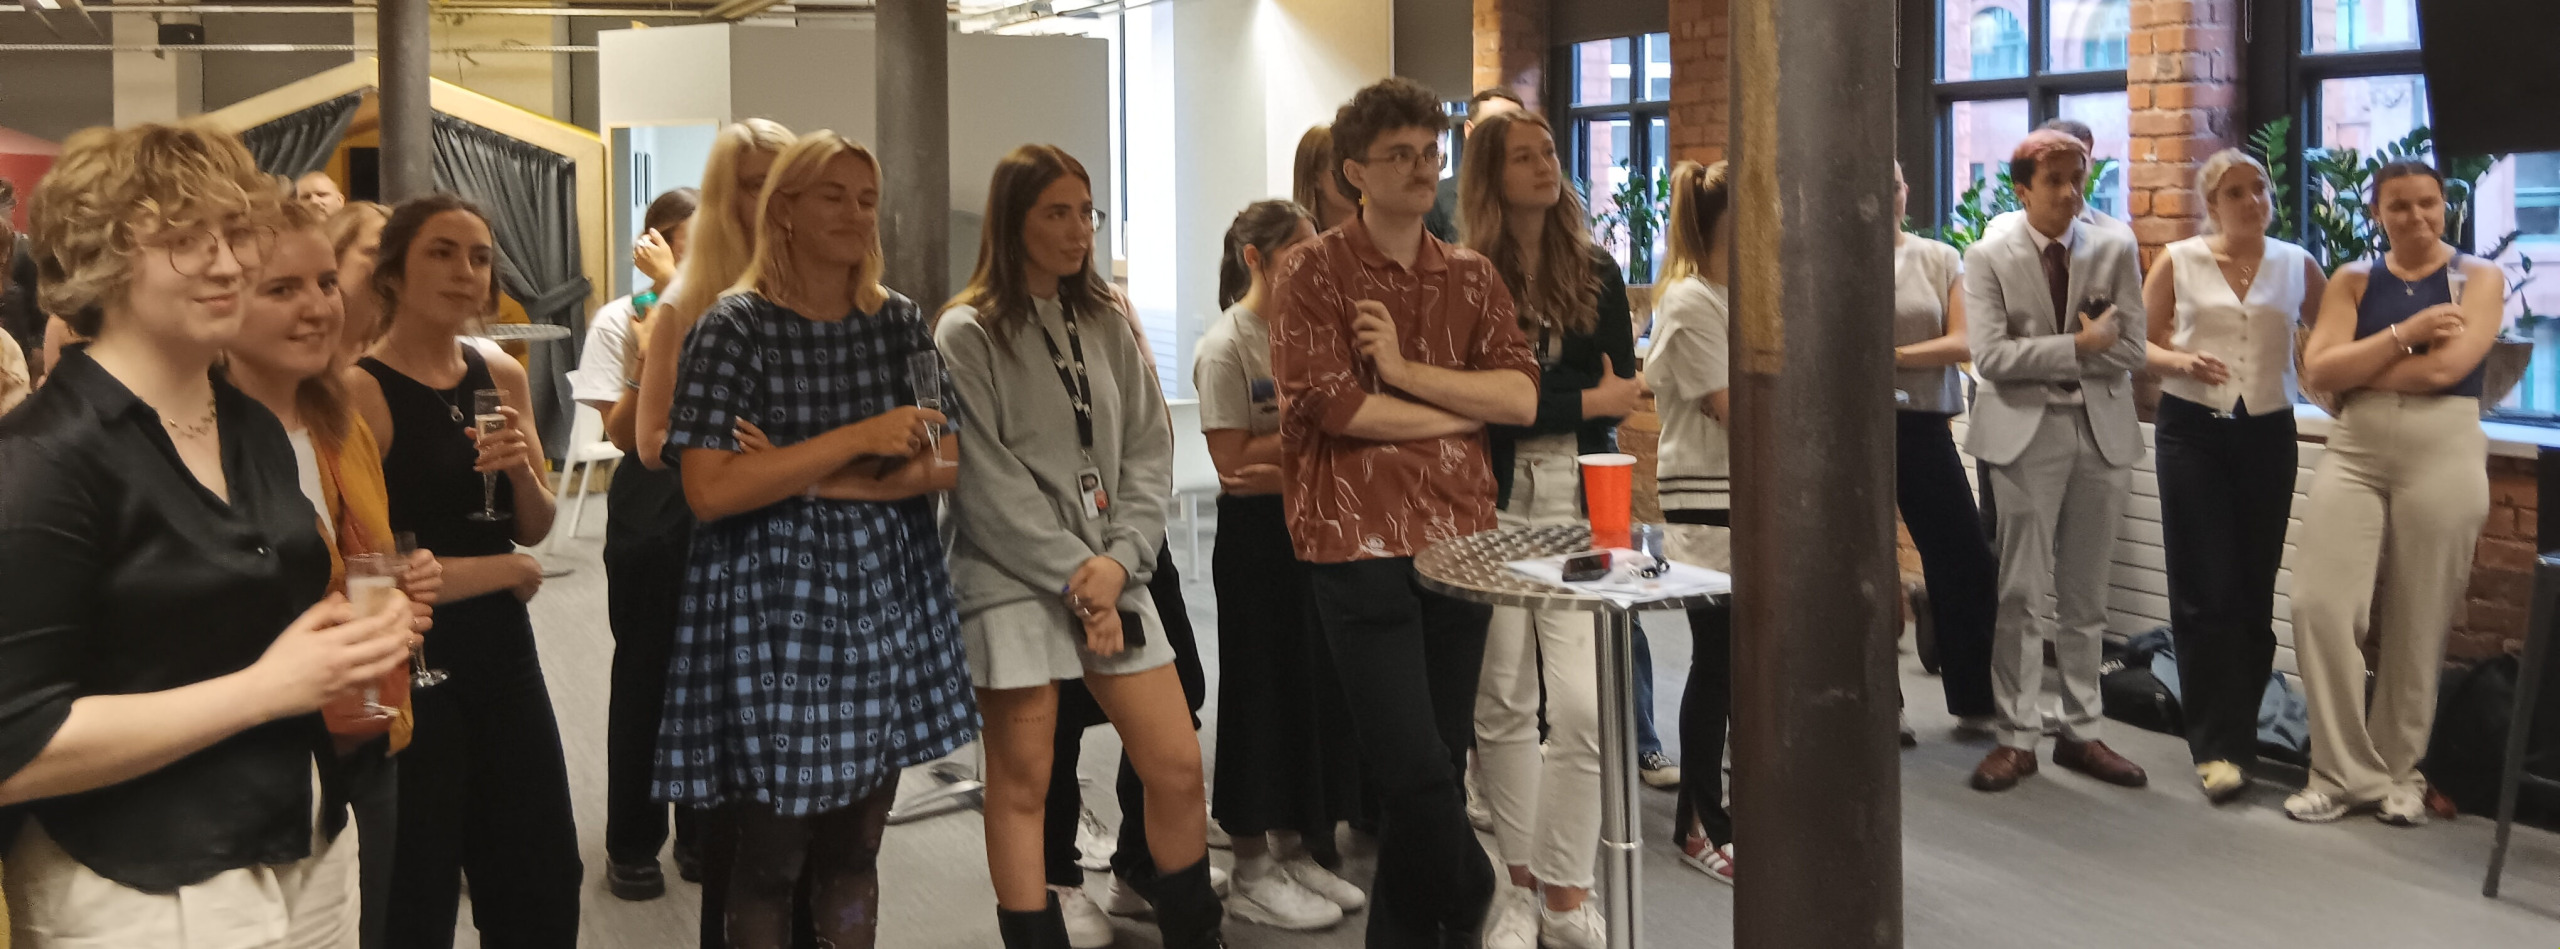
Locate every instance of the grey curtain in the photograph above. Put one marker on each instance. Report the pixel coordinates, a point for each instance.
(301, 143)
(531, 197)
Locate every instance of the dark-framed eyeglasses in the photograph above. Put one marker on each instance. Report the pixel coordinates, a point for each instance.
(1402, 159)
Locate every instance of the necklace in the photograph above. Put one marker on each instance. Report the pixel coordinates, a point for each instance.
(452, 402)
(199, 428)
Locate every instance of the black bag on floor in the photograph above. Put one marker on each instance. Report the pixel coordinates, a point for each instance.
(2132, 694)
(2468, 750)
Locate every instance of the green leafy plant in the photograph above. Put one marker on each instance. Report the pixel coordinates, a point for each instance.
(2526, 319)
(2269, 145)
(2343, 228)
(1636, 212)
(1996, 195)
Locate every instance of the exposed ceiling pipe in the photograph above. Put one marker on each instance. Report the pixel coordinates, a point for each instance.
(268, 48)
(828, 12)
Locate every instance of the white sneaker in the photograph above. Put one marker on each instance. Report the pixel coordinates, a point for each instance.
(1125, 901)
(2403, 807)
(1095, 844)
(1275, 900)
(1581, 927)
(1218, 882)
(1513, 921)
(1087, 928)
(2315, 807)
(1218, 839)
(1322, 882)
(1977, 726)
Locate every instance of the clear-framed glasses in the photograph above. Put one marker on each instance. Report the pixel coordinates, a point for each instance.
(1093, 217)
(1403, 159)
(192, 250)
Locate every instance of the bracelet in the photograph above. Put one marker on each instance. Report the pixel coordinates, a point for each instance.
(2405, 348)
(644, 299)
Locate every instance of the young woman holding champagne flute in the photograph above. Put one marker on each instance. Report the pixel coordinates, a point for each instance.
(169, 638)
(483, 788)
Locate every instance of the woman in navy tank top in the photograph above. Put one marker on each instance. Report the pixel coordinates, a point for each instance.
(2397, 501)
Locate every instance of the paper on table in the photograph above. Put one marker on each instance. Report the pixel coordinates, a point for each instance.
(1621, 586)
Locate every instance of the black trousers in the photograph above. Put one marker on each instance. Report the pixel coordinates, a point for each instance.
(1078, 711)
(1955, 559)
(644, 597)
(484, 793)
(1706, 707)
(374, 796)
(2226, 494)
(1408, 659)
(1271, 765)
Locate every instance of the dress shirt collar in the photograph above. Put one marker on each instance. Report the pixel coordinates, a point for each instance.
(1432, 258)
(2042, 242)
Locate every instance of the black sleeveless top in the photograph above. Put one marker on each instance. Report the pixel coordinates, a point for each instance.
(428, 467)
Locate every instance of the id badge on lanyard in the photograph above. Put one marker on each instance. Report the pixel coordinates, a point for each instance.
(1090, 495)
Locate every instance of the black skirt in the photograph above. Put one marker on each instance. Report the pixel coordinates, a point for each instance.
(1278, 700)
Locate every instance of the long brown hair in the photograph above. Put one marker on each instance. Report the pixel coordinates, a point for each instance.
(1699, 196)
(391, 268)
(769, 270)
(1307, 173)
(997, 289)
(1564, 292)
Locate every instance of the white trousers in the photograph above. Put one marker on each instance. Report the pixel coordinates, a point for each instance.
(1546, 807)
(57, 903)
(2385, 549)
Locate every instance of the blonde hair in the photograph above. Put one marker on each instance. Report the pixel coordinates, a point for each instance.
(1564, 292)
(347, 223)
(1699, 196)
(112, 187)
(720, 248)
(769, 270)
(2209, 177)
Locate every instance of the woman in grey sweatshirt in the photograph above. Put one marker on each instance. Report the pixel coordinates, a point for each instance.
(1066, 473)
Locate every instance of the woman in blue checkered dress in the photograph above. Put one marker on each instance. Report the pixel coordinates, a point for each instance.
(819, 649)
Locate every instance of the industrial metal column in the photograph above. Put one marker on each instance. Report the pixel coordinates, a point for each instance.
(915, 147)
(408, 150)
(1817, 787)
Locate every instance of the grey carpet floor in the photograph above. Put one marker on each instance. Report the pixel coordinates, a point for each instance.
(2060, 862)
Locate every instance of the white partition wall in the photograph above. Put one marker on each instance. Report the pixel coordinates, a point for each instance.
(1005, 91)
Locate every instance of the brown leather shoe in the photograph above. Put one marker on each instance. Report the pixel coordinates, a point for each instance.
(2095, 759)
(2001, 769)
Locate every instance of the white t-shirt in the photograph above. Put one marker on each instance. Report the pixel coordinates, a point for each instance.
(306, 463)
(1687, 363)
(601, 371)
(1231, 368)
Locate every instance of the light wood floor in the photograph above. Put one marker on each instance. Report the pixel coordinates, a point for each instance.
(2060, 862)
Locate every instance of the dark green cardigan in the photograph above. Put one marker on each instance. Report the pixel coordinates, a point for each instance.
(1560, 388)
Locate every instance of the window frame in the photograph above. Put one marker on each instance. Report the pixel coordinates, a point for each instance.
(1645, 149)
(1928, 102)
(2284, 78)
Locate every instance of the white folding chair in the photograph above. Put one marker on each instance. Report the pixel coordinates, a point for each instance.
(1194, 474)
(588, 449)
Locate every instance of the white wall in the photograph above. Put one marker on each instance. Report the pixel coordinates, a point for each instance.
(674, 74)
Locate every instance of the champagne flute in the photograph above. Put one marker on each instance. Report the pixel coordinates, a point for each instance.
(924, 372)
(406, 543)
(371, 578)
(485, 418)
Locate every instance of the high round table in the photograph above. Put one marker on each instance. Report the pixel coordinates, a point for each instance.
(1475, 568)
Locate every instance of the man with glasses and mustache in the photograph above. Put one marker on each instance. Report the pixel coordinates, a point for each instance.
(1393, 351)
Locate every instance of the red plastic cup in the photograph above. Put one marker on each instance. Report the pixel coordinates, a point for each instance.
(1608, 487)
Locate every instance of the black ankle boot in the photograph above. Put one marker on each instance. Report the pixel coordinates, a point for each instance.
(1187, 908)
(1044, 929)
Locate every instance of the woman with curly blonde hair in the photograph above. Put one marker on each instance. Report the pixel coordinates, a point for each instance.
(168, 645)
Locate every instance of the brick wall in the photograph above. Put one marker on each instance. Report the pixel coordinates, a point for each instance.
(2182, 85)
(1701, 79)
(2493, 615)
(1511, 47)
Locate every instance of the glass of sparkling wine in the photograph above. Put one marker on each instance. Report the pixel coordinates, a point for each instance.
(924, 371)
(485, 419)
(406, 544)
(371, 579)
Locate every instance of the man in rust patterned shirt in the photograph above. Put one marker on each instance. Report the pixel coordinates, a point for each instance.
(1393, 351)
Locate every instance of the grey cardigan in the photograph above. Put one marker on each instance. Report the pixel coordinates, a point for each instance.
(1022, 529)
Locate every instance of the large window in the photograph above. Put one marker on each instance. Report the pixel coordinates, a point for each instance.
(2347, 73)
(1987, 72)
(1617, 126)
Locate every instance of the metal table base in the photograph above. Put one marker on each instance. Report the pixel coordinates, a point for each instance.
(1476, 568)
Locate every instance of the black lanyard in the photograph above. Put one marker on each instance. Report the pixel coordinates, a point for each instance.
(1079, 387)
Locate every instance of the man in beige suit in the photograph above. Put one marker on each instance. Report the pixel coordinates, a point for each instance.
(2050, 301)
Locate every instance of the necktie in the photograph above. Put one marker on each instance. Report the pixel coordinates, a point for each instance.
(2057, 276)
